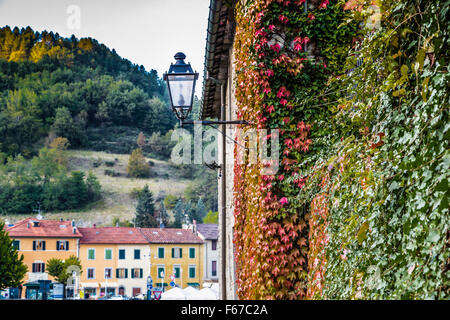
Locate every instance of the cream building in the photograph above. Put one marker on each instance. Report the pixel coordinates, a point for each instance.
(115, 260)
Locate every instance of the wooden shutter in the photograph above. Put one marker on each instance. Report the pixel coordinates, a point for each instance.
(34, 246)
(140, 273)
(132, 273)
(57, 245)
(117, 273)
(33, 266)
(181, 252)
(126, 273)
(43, 245)
(173, 252)
(67, 245)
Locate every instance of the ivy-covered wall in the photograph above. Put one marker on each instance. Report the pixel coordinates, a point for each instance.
(359, 206)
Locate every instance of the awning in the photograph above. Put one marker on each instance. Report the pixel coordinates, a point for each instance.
(89, 284)
(108, 284)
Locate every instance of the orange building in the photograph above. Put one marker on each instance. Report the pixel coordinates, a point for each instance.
(40, 241)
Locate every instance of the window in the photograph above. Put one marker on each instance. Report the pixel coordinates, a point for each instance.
(214, 269)
(214, 245)
(177, 271)
(108, 254)
(161, 272)
(161, 253)
(192, 253)
(137, 254)
(121, 254)
(62, 245)
(39, 245)
(38, 267)
(91, 273)
(16, 244)
(91, 254)
(136, 273)
(108, 273)
(121, 273)
(177, 252)
(192, 271)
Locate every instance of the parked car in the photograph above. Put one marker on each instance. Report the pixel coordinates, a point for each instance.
(117, 298)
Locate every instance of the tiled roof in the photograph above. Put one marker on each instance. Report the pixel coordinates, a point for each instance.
(208, 231)
(44, 229)
(112, 235)
(170, 235)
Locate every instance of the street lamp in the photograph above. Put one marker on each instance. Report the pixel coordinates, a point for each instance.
(181, 81)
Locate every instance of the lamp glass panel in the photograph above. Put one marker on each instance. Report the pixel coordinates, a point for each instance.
(181, 89)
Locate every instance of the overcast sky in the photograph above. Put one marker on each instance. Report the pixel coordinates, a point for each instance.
(146, 32)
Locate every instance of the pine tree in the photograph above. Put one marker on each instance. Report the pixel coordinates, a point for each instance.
(200, 211)
(12, 268)
(178, 213)
(137, 166)
(145, 210)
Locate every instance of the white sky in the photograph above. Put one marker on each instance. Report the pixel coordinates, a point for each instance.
(146, 32)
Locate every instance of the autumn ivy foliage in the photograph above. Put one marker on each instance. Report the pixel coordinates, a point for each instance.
(359, 205)
(284, 56)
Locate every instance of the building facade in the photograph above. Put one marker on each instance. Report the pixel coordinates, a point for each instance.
(176, 253)
(209, 233)
(39, 241)
(115, 260)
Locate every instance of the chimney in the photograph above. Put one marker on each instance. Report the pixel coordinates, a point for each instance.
(73, 222)
(74, 230)
(194, 227)
(61, 219)
(28, 225)
(93, 225)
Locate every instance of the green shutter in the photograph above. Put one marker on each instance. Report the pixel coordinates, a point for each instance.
(43, 245)
(57, 245)
(132, 273)
(117, 273)
(173, 252)
(161, 253)
(126, 273)
(140, 273)
(192, 253)
(191, 272)
(67, 245)
(181, 252)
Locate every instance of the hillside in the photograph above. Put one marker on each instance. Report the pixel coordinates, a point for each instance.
(117, 201)
(66, 87)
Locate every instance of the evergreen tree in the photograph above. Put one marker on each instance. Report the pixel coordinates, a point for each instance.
(137, 166)
(12, 268)
(163, 214)
(178, 213)
(145, 210)
(199, 211)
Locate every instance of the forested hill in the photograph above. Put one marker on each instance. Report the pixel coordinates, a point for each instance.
(75, 88)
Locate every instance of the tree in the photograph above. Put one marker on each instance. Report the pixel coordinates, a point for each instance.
(93, 187)
(145, 210)
(137, 166)
(211, 217)
(200, 211)
(12, 268)
(62, 270)
(141, 140)
(178, 213)
(55, 268)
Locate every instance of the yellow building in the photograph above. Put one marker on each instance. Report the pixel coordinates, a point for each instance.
(115, 260)
(177, 253)
(40, 241)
